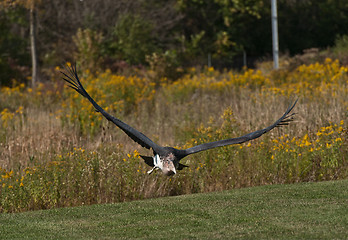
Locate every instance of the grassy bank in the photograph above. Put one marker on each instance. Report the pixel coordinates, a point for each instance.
(296, 211)
(55, 151)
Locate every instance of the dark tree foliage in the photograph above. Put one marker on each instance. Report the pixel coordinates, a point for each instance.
(311, 23)
(302, 24)
(14, 55)
(183, 32)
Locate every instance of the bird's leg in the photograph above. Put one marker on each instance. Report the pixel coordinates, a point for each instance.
(149, 172)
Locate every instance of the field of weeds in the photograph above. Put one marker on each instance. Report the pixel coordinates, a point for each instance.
(56, 151)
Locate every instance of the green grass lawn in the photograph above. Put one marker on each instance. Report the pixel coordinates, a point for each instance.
(301, 211)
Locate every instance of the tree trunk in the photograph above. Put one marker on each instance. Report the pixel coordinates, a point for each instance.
(33, 46)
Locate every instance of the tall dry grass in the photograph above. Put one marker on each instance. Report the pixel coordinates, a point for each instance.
(56, 151)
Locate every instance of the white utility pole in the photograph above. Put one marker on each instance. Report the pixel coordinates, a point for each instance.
(275, 34)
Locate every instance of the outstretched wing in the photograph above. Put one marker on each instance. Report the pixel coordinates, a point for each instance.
(284, 120)
(72, 78)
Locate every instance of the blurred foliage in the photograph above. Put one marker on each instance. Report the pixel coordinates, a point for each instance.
(132, 39)
(164, 66)
(341, 46)
(226, 24)
(89, 49)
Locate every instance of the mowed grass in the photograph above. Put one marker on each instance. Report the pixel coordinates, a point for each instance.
(294, 211)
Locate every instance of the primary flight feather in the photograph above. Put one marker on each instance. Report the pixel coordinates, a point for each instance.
(168, 158)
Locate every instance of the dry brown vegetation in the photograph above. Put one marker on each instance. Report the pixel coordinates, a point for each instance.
(56, 151)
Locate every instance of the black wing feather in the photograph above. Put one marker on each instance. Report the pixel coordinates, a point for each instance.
(284, 120)
(72, 78)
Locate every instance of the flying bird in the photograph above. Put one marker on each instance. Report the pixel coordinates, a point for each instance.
(168, 158)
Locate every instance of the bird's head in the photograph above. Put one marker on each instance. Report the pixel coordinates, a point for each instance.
(168, 167)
